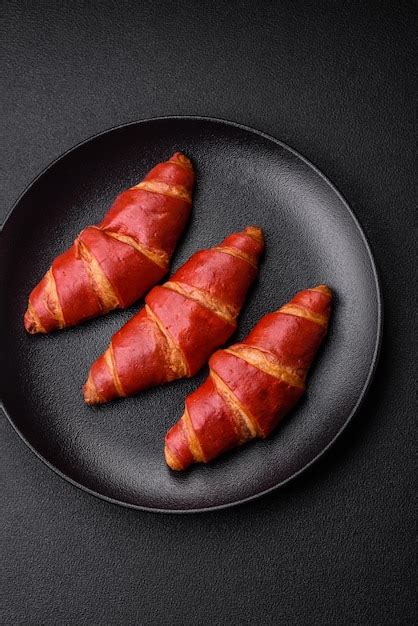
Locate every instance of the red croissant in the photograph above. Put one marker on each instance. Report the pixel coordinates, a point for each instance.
(182, 323)
(252, 384)
(112, 264)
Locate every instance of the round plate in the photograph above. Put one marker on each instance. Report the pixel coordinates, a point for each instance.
(243, 177)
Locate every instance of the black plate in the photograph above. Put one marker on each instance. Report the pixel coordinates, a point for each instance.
(244, 177)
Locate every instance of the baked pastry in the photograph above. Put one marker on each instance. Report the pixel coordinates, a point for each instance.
(252, 384)
(112, 264)
(182, 323)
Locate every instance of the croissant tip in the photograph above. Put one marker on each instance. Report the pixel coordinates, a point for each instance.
(254, 232)
(181, 159)
(30, 324)
(171, 460)
(322, 289)
(90, 394)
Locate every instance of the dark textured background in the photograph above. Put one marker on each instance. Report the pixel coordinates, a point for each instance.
(334, 80)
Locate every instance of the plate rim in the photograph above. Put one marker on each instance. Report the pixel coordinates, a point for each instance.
(378, 338)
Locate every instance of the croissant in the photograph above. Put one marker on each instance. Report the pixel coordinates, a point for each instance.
(112, 264)
(182, 323)
(252, 384)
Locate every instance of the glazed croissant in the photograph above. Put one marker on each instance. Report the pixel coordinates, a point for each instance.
(112, 264)
(252, 384)
(182, 323)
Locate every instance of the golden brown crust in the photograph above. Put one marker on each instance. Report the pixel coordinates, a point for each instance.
(182, 160)
(109, 358)
(51, 303)
(91, 395)
(255, 233)
(171, 460)
(246, 425)
(98, 280)
(268, 363)
(237, 253)
(192, 440)
(34, 323)
(204, 298)
(52, 300)
(175, 356)
(297, 311)
(165, 189)
(321, 289)
(159, 257)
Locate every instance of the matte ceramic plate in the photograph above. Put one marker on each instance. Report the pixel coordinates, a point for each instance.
(244, 177)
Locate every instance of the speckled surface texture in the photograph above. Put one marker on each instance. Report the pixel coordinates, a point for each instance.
(333, 81)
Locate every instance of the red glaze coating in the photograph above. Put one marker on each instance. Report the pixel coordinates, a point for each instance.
(253, 384)
(265, 397)
(114, 258)
(212, 420)
(151, 218)
(174, 335)
(292, 340)
(208, 273)
(137, 362)
(77, 299)
(184, 320)
(177, 443)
